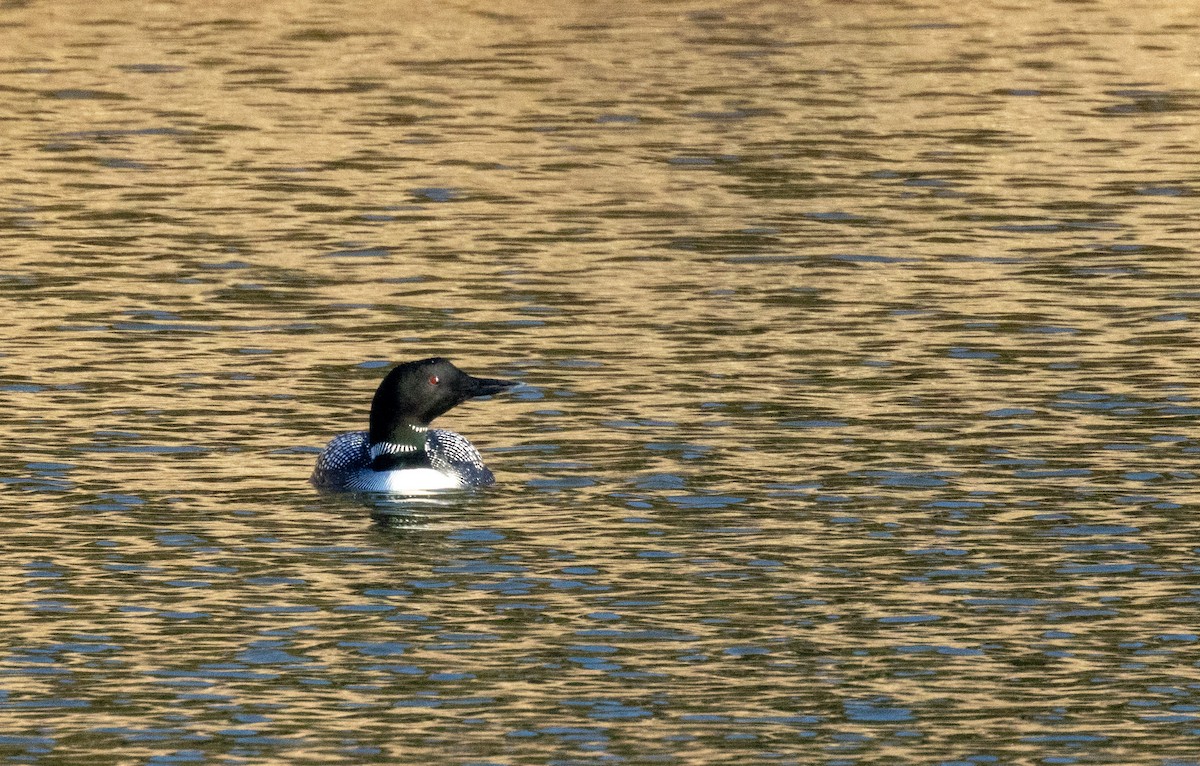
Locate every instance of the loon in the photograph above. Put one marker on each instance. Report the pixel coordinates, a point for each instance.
(400, 453)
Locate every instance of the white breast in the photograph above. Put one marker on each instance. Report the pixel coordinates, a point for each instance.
(405, 481)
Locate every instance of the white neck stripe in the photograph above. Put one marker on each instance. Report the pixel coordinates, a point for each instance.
(390, 448)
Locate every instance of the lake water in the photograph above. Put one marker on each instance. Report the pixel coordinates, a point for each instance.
(858, 342)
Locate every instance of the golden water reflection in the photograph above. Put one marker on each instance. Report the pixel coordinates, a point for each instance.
(858, 343)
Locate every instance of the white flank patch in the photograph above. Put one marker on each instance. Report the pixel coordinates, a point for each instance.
(405, 481)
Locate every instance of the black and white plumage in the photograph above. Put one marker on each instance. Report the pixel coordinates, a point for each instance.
(400, 454)
(448, 461)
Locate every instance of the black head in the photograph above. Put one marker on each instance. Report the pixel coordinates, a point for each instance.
(414, 393)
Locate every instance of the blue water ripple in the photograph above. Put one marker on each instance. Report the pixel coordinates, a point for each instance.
(476, 535)
(873, 711)
(376, 648)
(1091, 529)
(1009, 412)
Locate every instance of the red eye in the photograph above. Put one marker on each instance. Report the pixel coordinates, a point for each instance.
(434, 380)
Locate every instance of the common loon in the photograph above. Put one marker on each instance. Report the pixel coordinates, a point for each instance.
(400, 453)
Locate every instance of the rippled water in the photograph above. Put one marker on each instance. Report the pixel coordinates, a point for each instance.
(858, 343)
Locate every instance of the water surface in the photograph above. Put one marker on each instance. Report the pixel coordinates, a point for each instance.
(858, 344)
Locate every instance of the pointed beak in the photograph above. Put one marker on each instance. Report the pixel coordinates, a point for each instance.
(488, 386)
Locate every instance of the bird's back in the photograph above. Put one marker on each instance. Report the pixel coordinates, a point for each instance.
(346, 461)
(452, 453)
(345, 456)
